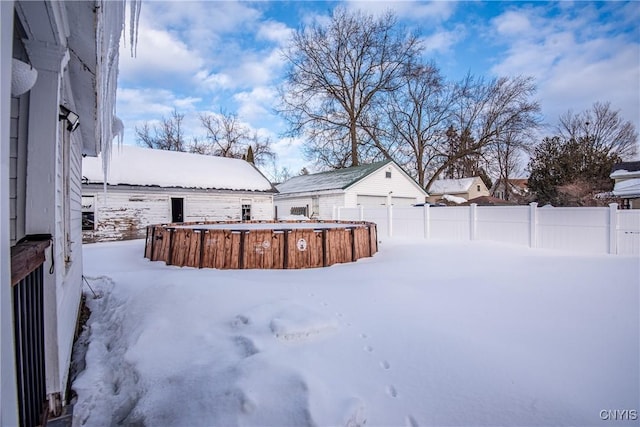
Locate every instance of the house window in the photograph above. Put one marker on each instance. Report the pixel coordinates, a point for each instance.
(246, 212)
(387, 174)
(88, 213)
(298, 210)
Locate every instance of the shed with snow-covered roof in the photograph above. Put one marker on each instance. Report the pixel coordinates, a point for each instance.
(627, 183)
(457, 189)
(146, 186)
(372, 185)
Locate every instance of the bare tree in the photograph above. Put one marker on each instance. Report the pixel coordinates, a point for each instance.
(168, 135)
(336, 73)
(418, 113)
(603, 126)
(227, 136)
(506, 155)
(484, 111)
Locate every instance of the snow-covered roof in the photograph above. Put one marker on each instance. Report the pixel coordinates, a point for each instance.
(146, 167)
(454, 199)
(451, 186)
(338, 179)
(626, 170)
(627, 188)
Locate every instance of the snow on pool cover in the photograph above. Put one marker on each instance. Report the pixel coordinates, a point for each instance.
(269, 226)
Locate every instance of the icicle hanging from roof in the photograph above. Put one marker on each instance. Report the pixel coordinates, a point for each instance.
(109, 27)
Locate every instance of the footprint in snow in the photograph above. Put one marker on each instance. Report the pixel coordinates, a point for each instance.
(368, 348)
(384, 364)
(245, 346)
(363, 336)
(391, 391)
(411, 422)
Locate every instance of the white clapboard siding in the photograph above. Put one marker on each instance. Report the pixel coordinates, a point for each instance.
(404, 191)
(70, 272)
(17, 167)
(326, 203)
(284, 205)
(125, 213)
(372, 190)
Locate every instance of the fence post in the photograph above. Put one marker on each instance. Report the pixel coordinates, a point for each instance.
(472, 221)
(533, 225)
(427, 221)
(613, 228)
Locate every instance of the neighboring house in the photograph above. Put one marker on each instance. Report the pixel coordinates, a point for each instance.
(373, 185)
(514, 189)
(627, 183)
(146, 186)
(463, 188)
(58, 63)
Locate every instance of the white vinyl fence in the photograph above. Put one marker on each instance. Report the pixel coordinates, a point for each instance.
(584, 230)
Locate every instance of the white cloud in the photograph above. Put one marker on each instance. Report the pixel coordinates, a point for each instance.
(213, 81)
(513, 23)
(442, 41)
(575, 58)
(411, 10)
(275, 32)
(137, 106)
(160, 55)
(255, 104)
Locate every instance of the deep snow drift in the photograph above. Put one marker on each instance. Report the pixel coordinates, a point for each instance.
(424, 333)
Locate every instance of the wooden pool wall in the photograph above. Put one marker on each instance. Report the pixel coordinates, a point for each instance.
(280, 247)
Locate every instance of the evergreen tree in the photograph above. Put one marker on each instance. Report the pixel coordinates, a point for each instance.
(249, 156)
(569, 172)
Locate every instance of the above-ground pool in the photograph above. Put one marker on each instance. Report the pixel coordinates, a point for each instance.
(233, 245)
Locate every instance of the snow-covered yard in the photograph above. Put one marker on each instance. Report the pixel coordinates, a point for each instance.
(424, 333)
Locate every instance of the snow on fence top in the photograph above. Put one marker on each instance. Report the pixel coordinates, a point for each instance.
(147, 167)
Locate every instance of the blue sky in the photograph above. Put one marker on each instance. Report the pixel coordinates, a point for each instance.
(201, 57)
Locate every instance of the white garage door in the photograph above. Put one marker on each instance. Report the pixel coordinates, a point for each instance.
(378, 201)
(403, 201)
(372, 201)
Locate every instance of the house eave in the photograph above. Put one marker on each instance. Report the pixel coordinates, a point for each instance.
(157, 188)
(330, 192)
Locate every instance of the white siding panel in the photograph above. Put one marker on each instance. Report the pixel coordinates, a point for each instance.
(226, 207)
(326, 202)
(69, 274)
(125, 214)
(377, 184)
(13, 171)
(284, 204)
